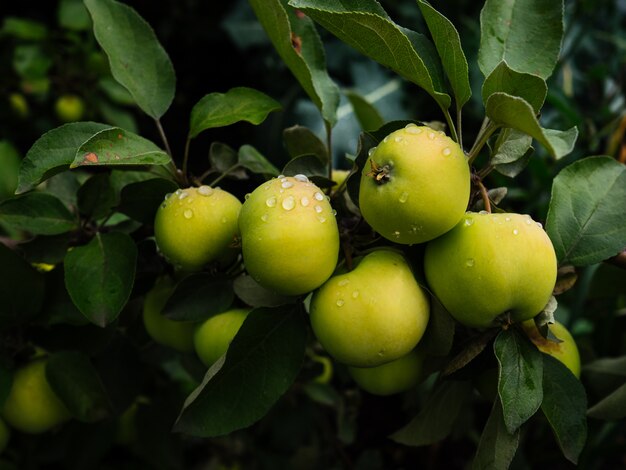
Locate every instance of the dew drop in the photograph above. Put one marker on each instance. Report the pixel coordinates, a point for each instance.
(188, 214)
(412, 129)
(529, 221)
(283, 180)
(343, 282)
(164, 205)
(289, 203)
(321, 218)
(469, 262)
(302, 178)
(318, 196)
(318, 209)
(340, 303)
(334, 212)
(410, 125)
(539, 225)
(447, 151)
(508, 219)
(431, 135)
(271, 202)
(398, 139)
(178, 191)
(182, 196)
(205, 190)
(264, 217)
(515, 231)
(371, 151)
(396, 234)
(468, 222)
(403, 197)
(247, 196)
(483, 212)
(304, 201)
(280, 177)
(167, 196)
(286, 184)
(381, 353)
(386, 139)
(355, 294)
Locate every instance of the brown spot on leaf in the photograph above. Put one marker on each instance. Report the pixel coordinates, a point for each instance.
(296, 42)
(119, 136)
(91, 158)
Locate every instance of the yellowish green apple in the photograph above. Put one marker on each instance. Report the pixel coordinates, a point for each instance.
(70, 108)
(566, 351)
(213, 336)
(372, 315)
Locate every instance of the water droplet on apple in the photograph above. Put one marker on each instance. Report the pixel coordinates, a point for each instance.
(167, 196)
(318, 196)
(447, 151)
(431, 135)
(182, 196)
(304, 201)
(340, 303)
(343, 282)
(371, 151)
(333, 212)
(247, 196)
(205, 190)
(468, 222)
(539, 225)
(302, 178)
(469, 262)
(403, 197)
(508, 219)
(529, 221)
(264, 217)
(515, 231)
(483, 213)
(286, 184)
(271, 202)
(396, 234)
(188, 214)
(386, 139)
(289, 203)
(398, 139)
(318, 209)
(355, 294)
(280, 177)
(321, 218)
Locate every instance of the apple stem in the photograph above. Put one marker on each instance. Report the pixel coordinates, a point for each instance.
(485, 195)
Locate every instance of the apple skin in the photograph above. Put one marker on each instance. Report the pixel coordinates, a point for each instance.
(195, 226)
(213, 336)
(393, 377)
(566, 351)
(427, 190)
(374, 314)
(32, 406)
(70, 108)
(289, 235)
(491, 264)
(177, 335)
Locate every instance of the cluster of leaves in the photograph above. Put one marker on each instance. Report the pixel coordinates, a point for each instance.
(78, 252)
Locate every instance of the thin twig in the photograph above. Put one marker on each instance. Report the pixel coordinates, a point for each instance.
(485, 195)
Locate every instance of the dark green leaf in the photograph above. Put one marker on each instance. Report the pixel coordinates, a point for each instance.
(301, 140)
(438, 415)
(251, 159)
(365, 26)
(308, 165)
(587, 216)
(38, 213)
(31, 61)
(222, 157)
(75, 381)
(73, 15)
(115, 146)
(497, 446)
(301, 49)
(512, 152)
(614, 366)
(266, 356)
(96, 196)
(520, 377)
(439, 335)
(21, 289)
(141, 200)
(565, 405)
(23, 28)
(54, 151)
(502, 79)
(511, 111)
(255, 295)
(99, 276)
(612, 407)
(471, 349)
(448, 44)
(366, 113)
(224, 109)
(198, 297)
(137, 59)
(10, 163)
(47, 249)
(526, 34)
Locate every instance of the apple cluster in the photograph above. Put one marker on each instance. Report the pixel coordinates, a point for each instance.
(368, 312)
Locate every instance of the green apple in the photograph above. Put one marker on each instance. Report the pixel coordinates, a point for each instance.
(289, 235)
(19, 104)
(566, 351)
(490, 265)
(70, 108)
(174, 334)
(390, 378)
(195, 226)
(32, 406)
(415, 185)
(374, 314)
(339, 176)
(213, 336)
(5, 435)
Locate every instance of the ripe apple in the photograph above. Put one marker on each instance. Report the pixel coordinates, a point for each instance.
(195, 226)
(32, 406)
(174, 334)
(5, 435)
(289, 235)
(70, 108)
(374, 314)
(213, 336)
(489, 265)
(415, 185)
(566, 351)
(390, 378)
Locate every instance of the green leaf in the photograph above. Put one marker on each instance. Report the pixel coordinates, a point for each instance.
(265, 356)
(141, 200)
(301, 49)
(31, 61)
(77, 384)
(308, 165)
(364, 25)
(73, 15)
(510, 111)
(21, 289)
(99, 276)
(564, 405)
(10, 163)
(503, 79)
(520, 377)
(448, 44)
(198, 297)
(23, 28)
(587, 215)
(224, 109)
(612, 366)
(37, 213)
(300, 140)
(96, 196)
(53, 152)
(137, 59)
(526, 34)
(251, 159)
(438, 415)
(222, 157)
(512, 152)
(116, 146)
(252, 293)
(366, 113)
(497, 446)
(612, 407)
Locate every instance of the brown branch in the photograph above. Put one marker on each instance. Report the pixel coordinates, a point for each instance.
(485, 195)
